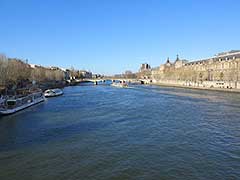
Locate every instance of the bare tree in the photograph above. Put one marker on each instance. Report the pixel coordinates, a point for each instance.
(3, 69)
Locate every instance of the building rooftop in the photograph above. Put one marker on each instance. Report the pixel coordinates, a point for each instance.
(232, 52)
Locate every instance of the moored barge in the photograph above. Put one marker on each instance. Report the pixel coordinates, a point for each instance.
(13, 104)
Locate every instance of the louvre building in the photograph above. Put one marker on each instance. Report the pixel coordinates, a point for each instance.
(220, 71)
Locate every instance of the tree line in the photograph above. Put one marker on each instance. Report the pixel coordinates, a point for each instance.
(16, 72)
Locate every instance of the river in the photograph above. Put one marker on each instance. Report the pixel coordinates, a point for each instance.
(141, 132)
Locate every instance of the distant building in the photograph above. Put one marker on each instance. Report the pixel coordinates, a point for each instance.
(145, 67)
(85, 74)
(67, 74)
(221, 70)
(95, 76)
(144, 72)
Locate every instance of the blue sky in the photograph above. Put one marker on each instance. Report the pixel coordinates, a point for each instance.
(111, 36)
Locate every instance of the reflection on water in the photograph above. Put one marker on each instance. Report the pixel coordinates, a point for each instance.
(102, 132)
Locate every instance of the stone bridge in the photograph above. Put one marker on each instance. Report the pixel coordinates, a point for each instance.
(96, 81)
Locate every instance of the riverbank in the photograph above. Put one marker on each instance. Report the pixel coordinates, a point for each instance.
(198, 88)
(52, 85)
(8, 91)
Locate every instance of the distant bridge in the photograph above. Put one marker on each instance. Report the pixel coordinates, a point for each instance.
(97, 81)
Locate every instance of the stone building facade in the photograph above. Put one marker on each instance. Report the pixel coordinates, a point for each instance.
(145, 72)
(220, 71)
(85, 74)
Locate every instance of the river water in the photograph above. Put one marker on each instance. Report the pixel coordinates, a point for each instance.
(142, 132)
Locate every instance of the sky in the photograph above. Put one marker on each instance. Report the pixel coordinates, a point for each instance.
(111, 36)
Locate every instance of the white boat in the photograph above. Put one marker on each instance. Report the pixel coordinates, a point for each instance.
(53, 92)
(13, 104)
(120, 84)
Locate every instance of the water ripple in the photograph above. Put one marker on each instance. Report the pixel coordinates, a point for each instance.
(101, 132)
